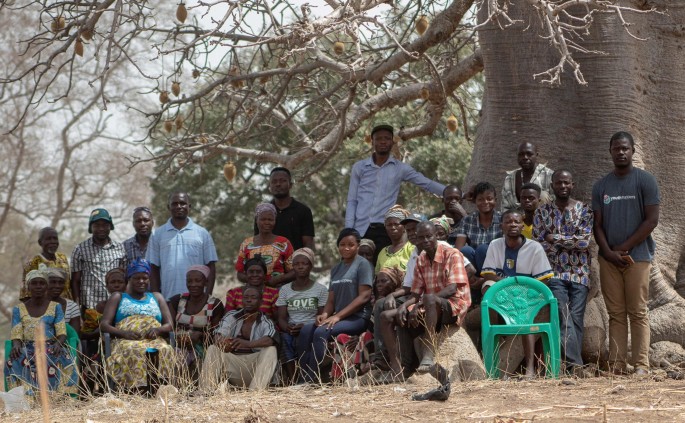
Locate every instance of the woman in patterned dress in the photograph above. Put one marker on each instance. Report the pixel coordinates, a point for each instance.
(20, 369)
(196, 314)
(137, 318)
(276, 251)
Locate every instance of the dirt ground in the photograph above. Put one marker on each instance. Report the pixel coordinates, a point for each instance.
(568, 400)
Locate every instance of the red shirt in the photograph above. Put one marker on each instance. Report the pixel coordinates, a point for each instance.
(234, 301)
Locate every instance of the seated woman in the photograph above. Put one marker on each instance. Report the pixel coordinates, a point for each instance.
(255, 270)
(299, 302)
(57, 280)
(443, 225)
(195, 314)
(276, 251)
(348, 308)
(397, 253)
(367, 249)
(137, 318)
(21, 369)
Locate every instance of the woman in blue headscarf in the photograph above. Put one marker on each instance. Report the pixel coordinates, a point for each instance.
(137, 318)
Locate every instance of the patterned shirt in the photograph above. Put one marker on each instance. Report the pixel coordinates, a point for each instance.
(133, 249)
(59, 261)
(232, 324)
(569, 254)
(277, 256)
(446, 268)
(374, 189)
(476, 233)
(94, 261)
(542, 176)
(234, 300)
(24, 326)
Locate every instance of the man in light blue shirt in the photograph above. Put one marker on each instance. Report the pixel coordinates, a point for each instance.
(375, 184)
(177, 245)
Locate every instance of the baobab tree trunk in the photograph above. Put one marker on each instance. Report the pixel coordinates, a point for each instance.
(637, 86)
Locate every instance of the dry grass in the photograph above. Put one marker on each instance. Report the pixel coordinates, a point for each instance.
(591, 400)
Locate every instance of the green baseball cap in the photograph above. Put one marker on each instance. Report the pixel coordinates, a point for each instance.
(383, 127)
(99, 214)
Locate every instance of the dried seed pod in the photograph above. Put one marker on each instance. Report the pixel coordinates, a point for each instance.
(78, 47)
(164, 97)
(452, 123)
(196, 73)
(168, 125)
(339, 47)
(229, 171)
(233, 73)
(422, 24)
(58, 24)
(87, 34)
(181, 13)
(179, 122)
(367, 138)
(176, 88)
(425, 94)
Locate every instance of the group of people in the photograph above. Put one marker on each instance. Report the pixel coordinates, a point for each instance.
(401, 278)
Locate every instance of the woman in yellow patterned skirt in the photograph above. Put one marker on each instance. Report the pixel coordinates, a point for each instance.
(137, 318)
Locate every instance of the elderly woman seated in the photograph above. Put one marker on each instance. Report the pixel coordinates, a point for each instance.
(39, 309)
(244, 351)
(137, 318)
(196, 314)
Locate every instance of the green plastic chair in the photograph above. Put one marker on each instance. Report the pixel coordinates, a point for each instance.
(518, 300)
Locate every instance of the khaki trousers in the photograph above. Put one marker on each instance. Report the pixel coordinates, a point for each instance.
(246, 370)
(626, 292)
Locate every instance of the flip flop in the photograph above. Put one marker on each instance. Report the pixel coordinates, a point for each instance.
(438, 394)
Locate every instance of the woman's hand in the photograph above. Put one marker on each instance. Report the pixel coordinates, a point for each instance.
(330, 322)
(294, 330)
(130, 335)
(390, 302)
(58, 348)
(152, 333)
(16, 350)
(321, 318)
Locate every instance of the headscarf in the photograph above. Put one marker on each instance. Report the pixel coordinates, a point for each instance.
(369, 243)
(200, 268)
(138, 266)
(263, 208)
(305, 252)
(56, 272)
(397, 212)
(40, 273)
(395, 274)
(444, 222)
(113, 272)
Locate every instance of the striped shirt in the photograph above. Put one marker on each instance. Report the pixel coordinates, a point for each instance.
(133, 249)
(446, 268)
(232, 324)
(94, 261)
(234, 300)
(542, 176)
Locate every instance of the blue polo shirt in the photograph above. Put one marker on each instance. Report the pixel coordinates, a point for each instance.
(175, 250)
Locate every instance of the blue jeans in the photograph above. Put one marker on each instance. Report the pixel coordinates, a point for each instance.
(571, 298)
(477, 257)
(314, 339)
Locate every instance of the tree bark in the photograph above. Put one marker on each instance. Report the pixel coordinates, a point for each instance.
(637, 86)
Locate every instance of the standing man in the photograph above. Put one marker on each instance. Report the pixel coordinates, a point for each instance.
(564, 228)
(451, 199)
(177, 245)
(375, 184)
(530, 171)
(93, 258)
(49, 243)
(293, 219)
(626, 211)
(136, 246)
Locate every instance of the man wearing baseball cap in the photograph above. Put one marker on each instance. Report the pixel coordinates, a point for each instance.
(93, 258)
(375, 185)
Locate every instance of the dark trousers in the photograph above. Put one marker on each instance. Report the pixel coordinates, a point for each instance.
(477, 257)
(379, 236)
(571, 298)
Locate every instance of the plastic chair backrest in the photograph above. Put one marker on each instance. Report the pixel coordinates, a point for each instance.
(517, 299)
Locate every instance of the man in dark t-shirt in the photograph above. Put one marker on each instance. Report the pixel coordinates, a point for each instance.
(294, 219)
(626, 211)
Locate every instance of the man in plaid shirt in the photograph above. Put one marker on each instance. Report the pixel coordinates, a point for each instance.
(440, 296)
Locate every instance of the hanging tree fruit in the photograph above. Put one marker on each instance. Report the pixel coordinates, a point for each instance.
(229, 171)
(78, 47)
(421, 24)
(179, 123)
(87, 34)
(235, 72)
(425, 94)
(181, 13)
(339, 47)
(367, 138)
(164, 97)
(176, 88)
(58, 24)
(196, 73)
(452, 124)
(168, 125)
